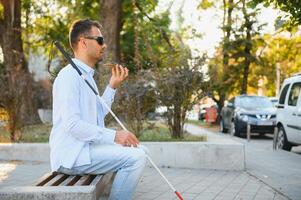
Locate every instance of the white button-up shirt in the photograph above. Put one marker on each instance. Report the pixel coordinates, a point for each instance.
(78, 117)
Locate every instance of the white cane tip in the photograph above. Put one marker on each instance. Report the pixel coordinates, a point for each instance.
(144, 148)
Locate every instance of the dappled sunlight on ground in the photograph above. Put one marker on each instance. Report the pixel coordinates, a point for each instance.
(7, 168)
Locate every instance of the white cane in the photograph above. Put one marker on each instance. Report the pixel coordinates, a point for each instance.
(57, 44)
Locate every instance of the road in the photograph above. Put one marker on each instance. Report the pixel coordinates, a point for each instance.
(279, 169)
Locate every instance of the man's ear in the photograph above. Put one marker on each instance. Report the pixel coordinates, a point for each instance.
(82, 43)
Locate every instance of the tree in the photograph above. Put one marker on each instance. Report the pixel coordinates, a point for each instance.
(243, 44)
(229, 69)
(136, 99)
(227, 29)
(292, 7)
(279, 50)
(179, 88)
(222, 82)
(16, 80)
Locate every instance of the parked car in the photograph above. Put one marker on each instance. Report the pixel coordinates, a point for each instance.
(289, 114)
(202, 113)
(274, 101)
(258, 111)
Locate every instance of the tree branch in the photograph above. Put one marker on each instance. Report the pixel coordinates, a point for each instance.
(2, 21)
(1, 25)
(1, 31)
(164, 34)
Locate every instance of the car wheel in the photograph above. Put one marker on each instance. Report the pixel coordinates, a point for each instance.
(235, 131)
(282, 142)
(222, 126)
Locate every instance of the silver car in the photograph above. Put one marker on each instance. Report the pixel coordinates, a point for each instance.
(257, 111)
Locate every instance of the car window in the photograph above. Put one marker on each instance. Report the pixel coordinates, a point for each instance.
(294, 94)
(283, 94)
(253, 102)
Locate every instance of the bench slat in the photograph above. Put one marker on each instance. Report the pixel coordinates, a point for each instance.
(44, 179)
(89, 179)
(74, 180)
(54, 180)
(67, 180)
(60, 180)
(96, 180)
(84, 180)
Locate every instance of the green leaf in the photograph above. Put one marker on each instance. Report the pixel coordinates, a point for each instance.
(205, 4)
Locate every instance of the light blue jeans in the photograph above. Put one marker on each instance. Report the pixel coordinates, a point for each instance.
(129, 163)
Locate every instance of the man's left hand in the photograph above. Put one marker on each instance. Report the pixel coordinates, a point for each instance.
(119, 74)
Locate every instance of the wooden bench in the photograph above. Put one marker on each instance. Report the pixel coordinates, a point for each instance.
(60, 186)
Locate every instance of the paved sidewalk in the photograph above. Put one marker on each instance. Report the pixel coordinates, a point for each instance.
(279, 169)
(204, 185)
(193, 184)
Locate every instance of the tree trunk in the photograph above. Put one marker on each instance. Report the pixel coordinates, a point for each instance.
(220, 104)
(228, 8)
(169, 115)
(139, 117)
(110, 17)
(248, 47)
(176, 129)
(17, 92)
(227, 21)
(137, 56)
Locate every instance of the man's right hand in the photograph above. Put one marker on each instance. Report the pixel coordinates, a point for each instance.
(126, 138)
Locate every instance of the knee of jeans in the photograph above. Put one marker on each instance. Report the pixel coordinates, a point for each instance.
(138, 158)
(144, 148)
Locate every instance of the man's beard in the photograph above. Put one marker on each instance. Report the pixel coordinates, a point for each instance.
(100, 60)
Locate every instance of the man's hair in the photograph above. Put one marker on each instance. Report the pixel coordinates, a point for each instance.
(79, 28)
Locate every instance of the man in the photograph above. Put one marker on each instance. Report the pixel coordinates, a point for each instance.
(79, 141)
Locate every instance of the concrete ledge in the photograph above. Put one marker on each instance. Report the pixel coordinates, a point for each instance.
(43, 193)
(218, 154)
(198, 155)
(25, 151)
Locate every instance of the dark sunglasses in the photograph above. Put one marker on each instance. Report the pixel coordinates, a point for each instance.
(99, 39)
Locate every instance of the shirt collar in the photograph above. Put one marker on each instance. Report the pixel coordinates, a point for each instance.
(84, 66)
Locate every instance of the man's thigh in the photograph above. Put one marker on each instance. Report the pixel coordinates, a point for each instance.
(111, 158)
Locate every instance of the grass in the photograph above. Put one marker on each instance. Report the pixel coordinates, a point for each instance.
(40, 134)
(211, 126)
(33, 133)
(161, 134)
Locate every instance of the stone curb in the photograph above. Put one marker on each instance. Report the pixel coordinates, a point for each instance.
(194, 155)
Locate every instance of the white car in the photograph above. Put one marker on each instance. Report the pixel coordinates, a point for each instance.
(289, 114)
(274, 101)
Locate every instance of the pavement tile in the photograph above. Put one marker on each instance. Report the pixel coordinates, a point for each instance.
(196, 189)
(166, 196)
(279, 197)
(206, 196)
(189, 196)
(150, 195)
(259, 197)
(244, 197)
